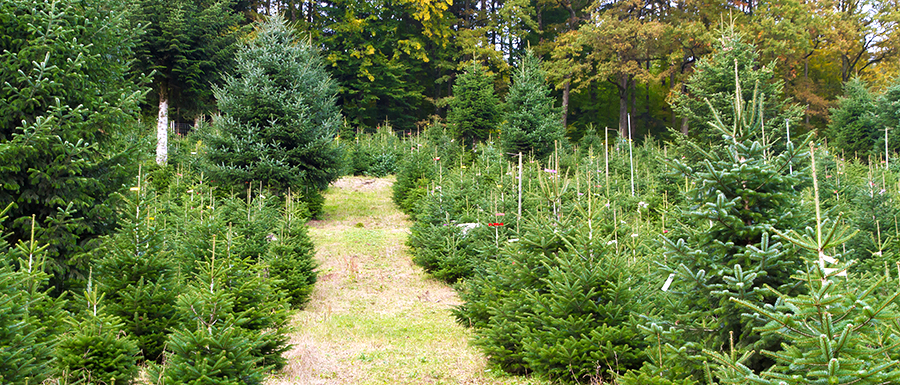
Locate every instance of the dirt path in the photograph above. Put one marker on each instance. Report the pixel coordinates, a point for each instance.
(374, 317)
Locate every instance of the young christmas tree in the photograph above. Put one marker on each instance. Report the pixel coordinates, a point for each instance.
(742, 189)
(96, 350)
(557, 302)
(279, 118)
(852, 128)
(291, 255)
(474, 110)
(138, 275)
(212, 347)
(531, 124)
(263, 308)
(26, 341)
(841, 331)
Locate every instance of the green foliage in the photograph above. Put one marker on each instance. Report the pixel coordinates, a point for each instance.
(187, 46)
(375, 155)
(475, 108)
(887, 116)
(138, 275)
(27, 313)
(279, 118)
(724, 251)
(557, 302)
(64, 103)
(291, 257)
(838, 332)
(380, 59)
(852, 128)
(415, 172)
(96, 350)
(734, 62)
(212, 347)
(531, 124)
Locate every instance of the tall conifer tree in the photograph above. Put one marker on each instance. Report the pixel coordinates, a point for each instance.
(279, 118)
(475, 108)
(531, 124)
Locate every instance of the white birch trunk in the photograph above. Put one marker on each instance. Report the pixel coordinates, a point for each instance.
(162, 130)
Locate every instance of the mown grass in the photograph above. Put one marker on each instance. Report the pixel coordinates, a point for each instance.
(374, 317)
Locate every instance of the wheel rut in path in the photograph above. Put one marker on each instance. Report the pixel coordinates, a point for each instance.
(374, 317)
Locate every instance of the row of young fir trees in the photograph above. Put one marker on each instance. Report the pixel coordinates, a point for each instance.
(720, 258)
(116, 270)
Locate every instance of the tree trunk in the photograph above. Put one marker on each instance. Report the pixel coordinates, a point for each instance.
(622, 85)
(672, 86)
(162, 127)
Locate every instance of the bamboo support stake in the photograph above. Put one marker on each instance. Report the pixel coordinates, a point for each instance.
(631, 154)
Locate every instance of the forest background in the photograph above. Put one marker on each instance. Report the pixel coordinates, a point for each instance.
(396, 61)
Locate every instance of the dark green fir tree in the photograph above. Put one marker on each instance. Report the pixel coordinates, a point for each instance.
(97, 350)
(279, 118)
(474, 110)
(557, 302)
(138, 275)
(887, 117)
(852, 129)
(66, 105)
(291, 255)
(530, 122)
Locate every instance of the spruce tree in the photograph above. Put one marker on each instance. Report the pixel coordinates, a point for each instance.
(279, 118)
(96, 350)
(474, 110)
(65, 103)
(711, 89)
(138, 274)
(841, 330)
(725, 250)
(211, 347)
(852, 128)
(531, 124)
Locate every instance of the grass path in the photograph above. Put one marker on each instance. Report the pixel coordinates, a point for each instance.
(375, 317)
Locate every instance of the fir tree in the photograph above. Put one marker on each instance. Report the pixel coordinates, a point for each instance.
(726, 251)
(211, 348)
(531, 124)
(474, 110)
(852, 128)
(64, 104)
(711, 89)
(279, 118)
(262, 307)
(291, 256)
(138, 275)
(837, 332)
(27, 313)
(95, 350)
(557, 303)
(887, 116)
